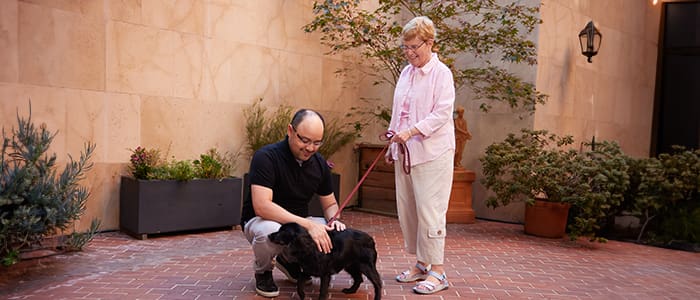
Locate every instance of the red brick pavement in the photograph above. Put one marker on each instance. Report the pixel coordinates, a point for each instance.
(486, 260)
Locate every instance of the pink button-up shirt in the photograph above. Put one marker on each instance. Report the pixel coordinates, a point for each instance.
(424, 97)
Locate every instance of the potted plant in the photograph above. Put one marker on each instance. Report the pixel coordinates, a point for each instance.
(536, 167)
(179, 195)
(527, 168)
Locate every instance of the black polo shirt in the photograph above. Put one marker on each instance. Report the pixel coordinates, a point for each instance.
(293, 184)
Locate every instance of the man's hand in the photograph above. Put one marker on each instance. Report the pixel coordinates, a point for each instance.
(320, 236)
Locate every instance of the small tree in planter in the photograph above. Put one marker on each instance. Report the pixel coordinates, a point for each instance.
(35, 201)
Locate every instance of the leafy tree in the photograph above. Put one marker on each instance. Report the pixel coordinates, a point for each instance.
(478, 29)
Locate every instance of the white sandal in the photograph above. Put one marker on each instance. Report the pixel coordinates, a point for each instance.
(428, 287)
(404, 276)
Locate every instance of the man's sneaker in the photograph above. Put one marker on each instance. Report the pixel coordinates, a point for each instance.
(292, 271)
(265, 285)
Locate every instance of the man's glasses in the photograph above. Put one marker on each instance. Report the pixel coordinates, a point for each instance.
(307, 141)
(411, 47)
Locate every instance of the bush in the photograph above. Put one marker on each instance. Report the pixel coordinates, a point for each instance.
(537, 164)
(147, 164)
(35, 201)
(664, 196)
(263, 129)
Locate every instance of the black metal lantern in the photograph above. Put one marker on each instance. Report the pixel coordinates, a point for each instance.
(590, 39)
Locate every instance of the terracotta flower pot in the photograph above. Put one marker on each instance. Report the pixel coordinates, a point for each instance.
(546, 219)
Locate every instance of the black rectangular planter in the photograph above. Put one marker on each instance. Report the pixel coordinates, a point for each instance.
(160, 206)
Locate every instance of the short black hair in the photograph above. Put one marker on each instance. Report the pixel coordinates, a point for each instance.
(302, 114)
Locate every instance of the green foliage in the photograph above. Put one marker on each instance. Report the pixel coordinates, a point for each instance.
(147, 164)
(479, 30)
(337, 135)
(35, 200)
(664, 195)
(181, 170)
(528, 167)
(600, 183)
(537, 165)
(214, 165)
(144, 162)
(262, 128)
(77, 240)
(368, 114)
(603, 179)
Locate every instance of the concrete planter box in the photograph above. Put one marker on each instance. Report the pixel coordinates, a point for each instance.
(161, 206)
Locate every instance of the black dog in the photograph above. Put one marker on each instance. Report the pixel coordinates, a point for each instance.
(353, 251)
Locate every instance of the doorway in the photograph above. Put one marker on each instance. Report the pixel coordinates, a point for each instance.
(677, 104)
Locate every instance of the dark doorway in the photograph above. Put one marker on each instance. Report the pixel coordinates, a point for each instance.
(677, 105)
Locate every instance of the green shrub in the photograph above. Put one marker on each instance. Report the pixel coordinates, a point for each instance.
(603, 180)
(664, 196)
(538, 164)
(147, 164)
(35, 200)
(263, 129)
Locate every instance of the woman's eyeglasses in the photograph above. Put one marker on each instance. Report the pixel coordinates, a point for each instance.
(411, 47)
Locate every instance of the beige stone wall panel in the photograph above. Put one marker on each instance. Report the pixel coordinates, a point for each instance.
(141, 59)
(187, 16)
(60, 48)
(9, 72)
(128, 11)
(254, 74)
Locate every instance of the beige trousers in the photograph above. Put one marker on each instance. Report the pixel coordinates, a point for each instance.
(422, 198)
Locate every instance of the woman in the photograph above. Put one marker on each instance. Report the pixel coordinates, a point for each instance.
(422, 121)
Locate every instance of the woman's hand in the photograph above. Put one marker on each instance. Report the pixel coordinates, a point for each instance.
(401, 137)
(337, 225)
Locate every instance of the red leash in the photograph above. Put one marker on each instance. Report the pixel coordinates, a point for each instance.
(406, 168)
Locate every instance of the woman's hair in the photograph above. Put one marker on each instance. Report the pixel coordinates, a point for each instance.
(421, 27)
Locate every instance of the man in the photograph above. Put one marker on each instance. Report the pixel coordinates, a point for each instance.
(284, 176)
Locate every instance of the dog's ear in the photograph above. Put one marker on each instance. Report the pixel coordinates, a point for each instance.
(285, 235)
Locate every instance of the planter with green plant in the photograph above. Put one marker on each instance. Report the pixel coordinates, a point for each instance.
(537, 166)
(535, 169)
(179, 195)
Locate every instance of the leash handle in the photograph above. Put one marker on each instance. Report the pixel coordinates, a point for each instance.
(406, 168)
(406, 162)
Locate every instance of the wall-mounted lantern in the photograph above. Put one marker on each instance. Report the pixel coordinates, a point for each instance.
(590, 39)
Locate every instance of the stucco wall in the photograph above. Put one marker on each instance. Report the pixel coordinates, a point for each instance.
(177, 74)
(612, 97)
(169, 74)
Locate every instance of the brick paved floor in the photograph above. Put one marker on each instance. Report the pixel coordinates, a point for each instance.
(486, 260)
